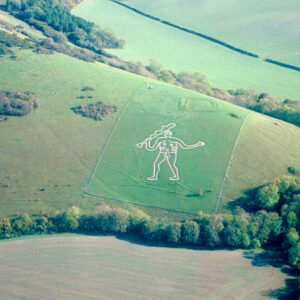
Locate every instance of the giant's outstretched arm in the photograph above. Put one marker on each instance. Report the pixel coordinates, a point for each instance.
(183, 145)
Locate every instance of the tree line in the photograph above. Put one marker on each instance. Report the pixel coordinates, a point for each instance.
(78, 31)
(271, 218)
(60, 26)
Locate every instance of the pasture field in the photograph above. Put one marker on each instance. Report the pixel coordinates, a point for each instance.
(268, 28)
(266, 146)
(87, 267)
(123, 170)
(48, 156)
(180, 51)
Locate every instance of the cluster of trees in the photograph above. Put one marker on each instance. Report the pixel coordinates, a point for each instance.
(283, 198)
(14, 103)
(54, 14)
(288, 110)
(275, 221)
(96, 111)
(7, 41)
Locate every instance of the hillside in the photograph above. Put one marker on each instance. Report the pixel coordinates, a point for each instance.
(77, 267)
(268, 28)
(224, 68)
(48, 156)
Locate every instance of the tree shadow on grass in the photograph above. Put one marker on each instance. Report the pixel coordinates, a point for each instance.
(246, 202)
(275, 259)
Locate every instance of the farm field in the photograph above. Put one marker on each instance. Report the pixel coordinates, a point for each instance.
(48, 156)
(77, 267)
(180, 51)
(268, 28)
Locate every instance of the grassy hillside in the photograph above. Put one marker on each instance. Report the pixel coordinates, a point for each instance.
(48, 156)
(124, 168)
(179, 51)
(268, 28)
(267, 146)
(77, 267)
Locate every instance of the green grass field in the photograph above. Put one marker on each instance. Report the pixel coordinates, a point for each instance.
(48, 156)
(123, 170)
(86, 267)
(180, 51)
(266, 147)
(268, 28)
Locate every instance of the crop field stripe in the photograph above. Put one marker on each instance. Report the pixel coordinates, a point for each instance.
(230, 161)
(109, 137)
(209, 38)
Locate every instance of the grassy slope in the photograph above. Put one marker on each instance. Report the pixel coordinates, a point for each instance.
(47, 157)
(181, 51)
(123, 169)
(4, 16)
(77, 267)
(268, 28)
(54, 149)
(264, 149)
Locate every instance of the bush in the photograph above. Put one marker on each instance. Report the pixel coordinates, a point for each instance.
(14, 103)
(189, 232)
(23, 225)
(173, 233)
(112, 221)
(96, 111)
(67, 221)
(268, 196)
(87, 88)
(5, 228)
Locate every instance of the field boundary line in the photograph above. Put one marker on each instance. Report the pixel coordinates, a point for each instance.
(230, 161)
(99, 158)
(207, 37)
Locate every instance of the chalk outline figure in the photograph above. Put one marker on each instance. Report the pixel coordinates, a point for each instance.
(168, 147)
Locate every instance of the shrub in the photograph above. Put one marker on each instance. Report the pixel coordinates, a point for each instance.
(189, 232)
(67, 221)
(23, 225)
(5, 228)
(173, 233)
(14, 103)
(268, 196)
(87, 88)
(96, 111)
(112, 220)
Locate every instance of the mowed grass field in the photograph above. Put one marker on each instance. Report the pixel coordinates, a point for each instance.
(123, 170)
(268, 28)
(180, 51)
(49, 156)
(86, 267)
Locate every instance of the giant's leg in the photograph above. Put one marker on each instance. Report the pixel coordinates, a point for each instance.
(172, 163)
(161, 157)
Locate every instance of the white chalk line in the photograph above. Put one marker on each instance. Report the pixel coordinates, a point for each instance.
(165, 151)
(230, 161)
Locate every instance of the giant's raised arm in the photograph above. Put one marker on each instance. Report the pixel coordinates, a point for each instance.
(183, 145)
